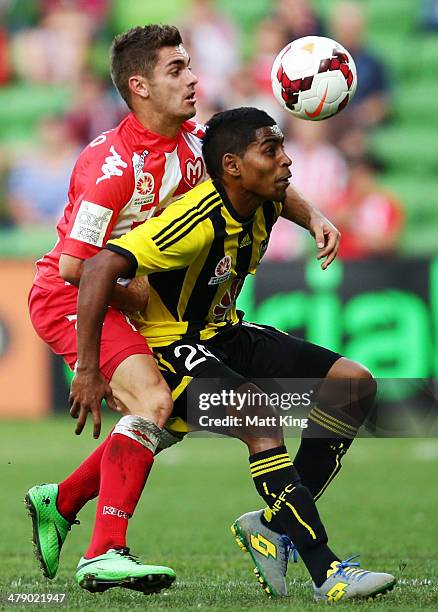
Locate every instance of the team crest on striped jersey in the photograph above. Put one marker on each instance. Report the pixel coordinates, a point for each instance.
(221, 310)
(194, 171)
(145, 184)
(222, 271)
(144, 181)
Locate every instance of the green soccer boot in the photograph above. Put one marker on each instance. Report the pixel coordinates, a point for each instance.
(345, 581)
(118, 568)
(269, 551)
(50, 528)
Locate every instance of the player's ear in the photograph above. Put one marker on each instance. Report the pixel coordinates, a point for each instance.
(138, 85)
(230, 164)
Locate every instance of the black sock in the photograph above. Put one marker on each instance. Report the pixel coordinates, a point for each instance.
(318, 460)
(343, 406)
(291, 509)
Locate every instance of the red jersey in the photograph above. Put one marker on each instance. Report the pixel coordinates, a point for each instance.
(121, 179)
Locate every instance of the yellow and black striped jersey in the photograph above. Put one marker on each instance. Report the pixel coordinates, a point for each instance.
(197, 254)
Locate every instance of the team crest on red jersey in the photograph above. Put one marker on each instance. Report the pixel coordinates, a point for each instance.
(194, 171)
(145, 183)
(144, 187)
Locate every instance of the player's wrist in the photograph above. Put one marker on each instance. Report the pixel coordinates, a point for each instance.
(88, 369)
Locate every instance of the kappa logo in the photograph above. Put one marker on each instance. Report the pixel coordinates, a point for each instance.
(115, 512)
(194, 171)
(222, 271)
(112, 166)
(72, 319)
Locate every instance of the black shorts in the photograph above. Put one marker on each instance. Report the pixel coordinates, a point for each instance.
(246, 352)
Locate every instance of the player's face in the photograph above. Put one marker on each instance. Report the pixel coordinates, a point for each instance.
(264, 168)
(172, 86)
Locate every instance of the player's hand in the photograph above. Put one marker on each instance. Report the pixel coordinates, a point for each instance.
(138, 291)
(327, 238)
(88, 389)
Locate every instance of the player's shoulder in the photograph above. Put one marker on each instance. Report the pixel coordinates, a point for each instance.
(194, 128)
(107, 156)
(110, 142)
(197, 205)
(200, 197)
(189, 217)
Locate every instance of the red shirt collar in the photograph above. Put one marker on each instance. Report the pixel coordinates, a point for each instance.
(149, 139)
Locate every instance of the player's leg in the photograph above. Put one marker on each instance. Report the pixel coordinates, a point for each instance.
(52, 313)
(345, 398)
(291, 505)
(291, 508)
(345, 401)
(146, 401)
(126, 462)
(53, 316)
(128, 456)
(291, 512)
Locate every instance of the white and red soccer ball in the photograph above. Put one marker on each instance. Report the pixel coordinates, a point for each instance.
(314, 78)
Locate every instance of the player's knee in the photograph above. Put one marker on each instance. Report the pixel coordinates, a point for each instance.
(156, 403)
(162, 403)
(151, 400)
(365, 381)
(360, 372)
(258, 445)
(347, 368)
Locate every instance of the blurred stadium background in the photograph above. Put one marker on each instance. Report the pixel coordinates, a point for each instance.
(373, 169)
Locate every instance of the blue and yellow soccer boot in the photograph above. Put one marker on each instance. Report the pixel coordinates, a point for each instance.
(50, 528)
(269, 551)
(346, 581)
(118, 568)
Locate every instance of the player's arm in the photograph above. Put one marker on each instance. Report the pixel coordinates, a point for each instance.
(97, 282)
(327, 236)
(155, 246)
(131, 298)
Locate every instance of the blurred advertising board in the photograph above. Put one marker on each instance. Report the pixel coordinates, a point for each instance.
(25, 375)
(383, 313)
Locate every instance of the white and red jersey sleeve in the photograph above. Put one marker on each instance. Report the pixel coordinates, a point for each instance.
(102, 183)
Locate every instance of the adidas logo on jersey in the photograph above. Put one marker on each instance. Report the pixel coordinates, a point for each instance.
(246, 241)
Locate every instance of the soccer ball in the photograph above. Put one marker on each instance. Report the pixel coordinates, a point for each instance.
(313, 78)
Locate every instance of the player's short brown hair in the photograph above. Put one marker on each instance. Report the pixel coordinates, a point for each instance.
(136, 52)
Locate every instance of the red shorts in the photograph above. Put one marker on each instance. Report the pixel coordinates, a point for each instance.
(54, 312)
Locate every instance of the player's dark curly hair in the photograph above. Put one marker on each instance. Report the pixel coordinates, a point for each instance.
(136, 52)
(231, 131)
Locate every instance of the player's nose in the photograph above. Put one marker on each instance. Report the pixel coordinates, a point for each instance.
(193, 79)
(285, 160)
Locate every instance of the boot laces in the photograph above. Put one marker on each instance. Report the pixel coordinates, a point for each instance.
(124, 552)
(347, 569)
(290, 550)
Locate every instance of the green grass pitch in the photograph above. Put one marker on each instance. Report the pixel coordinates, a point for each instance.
(383, 505)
